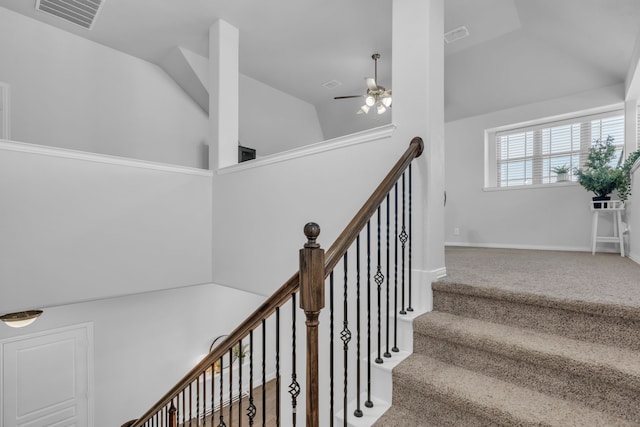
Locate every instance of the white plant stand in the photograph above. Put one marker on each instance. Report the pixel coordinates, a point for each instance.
(614, 207)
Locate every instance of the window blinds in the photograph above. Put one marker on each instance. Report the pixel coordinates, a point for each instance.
(527, 156)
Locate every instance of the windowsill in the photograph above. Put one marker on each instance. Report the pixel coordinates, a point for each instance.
(533, 186)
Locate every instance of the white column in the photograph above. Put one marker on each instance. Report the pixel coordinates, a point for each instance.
(223, 94)
(418, 110)
(631, 143)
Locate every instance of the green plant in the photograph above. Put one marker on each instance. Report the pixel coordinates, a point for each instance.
(599, 176)
(558, 170)
(240, 353)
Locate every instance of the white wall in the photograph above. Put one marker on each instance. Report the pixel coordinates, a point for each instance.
(77, 229)
(553, 217)
(69, 92)
(272, 121)
(143, 344)
(261, 209)
(338, 117)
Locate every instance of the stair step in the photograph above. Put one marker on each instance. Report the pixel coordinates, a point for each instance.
(449, 395)
(608, 324)
(397, 416)
(599, 376)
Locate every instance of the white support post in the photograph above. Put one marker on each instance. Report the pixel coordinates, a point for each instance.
(223, 94)
(418, 110)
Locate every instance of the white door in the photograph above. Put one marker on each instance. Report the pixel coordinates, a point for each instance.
(46, 379)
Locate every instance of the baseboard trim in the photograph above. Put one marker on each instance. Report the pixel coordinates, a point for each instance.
(634, 257)
(527, 247)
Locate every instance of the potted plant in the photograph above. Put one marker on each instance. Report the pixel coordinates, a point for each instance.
(562, 173)
(599, 176)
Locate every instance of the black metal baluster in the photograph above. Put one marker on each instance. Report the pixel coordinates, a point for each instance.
(278, 366)
(230, 386)
(331, 409)
(213, 394)
(240, 358)
(379, 278)
(198, 400)
(403, 239)
(184, 408)
(220, 411)
(410, 308)
(251, 410)
(190, 404)
(204, 396)
(395, 275)
(294, 387)
(345, 335)
(264, 373)
(368, 403)
(358, 411)
(386, 353)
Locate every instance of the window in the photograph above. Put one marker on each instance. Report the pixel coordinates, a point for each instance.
(528, 155)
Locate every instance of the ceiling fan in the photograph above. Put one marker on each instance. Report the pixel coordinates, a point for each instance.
(375, 95)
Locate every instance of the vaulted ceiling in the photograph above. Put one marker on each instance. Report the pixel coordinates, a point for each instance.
(518, 51)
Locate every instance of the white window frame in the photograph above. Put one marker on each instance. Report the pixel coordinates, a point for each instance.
(491, 161)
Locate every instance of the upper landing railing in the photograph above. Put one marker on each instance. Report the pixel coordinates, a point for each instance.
(240, 381)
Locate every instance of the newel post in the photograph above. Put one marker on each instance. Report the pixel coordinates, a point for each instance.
(312, 301)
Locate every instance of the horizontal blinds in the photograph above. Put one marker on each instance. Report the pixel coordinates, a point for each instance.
(527, 156)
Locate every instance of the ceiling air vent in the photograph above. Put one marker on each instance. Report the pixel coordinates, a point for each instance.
(456, 34)
(78, 12)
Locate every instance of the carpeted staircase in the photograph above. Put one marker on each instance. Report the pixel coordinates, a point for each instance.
(487, 357)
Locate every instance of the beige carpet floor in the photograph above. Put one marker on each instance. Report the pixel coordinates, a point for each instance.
(602, 278)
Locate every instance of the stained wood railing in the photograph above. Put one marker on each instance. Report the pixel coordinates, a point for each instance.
(193, 398)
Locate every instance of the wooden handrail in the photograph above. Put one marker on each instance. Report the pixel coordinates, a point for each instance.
(283, 294)
(359, 221)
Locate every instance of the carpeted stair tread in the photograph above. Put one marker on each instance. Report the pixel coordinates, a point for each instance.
(398, 416)
(501, 402)
(533, 298)
(611, 364)
(606, 324)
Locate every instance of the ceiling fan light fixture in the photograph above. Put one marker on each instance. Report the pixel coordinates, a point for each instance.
(20, 319)
(381, 109)
(364, 109)
(369, 100)
(386, 101)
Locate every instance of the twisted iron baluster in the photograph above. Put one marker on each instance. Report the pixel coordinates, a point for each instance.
(294, 387)
(386, 353)
(220, 411)
(240, 360)
(251, 409)
(230, 386)
(410, 308)
(198, 401)
(190, 404)
(368, 403)
(395, 276)
(345, 335)
(403, 239)
(264, 373)
(278, 366)
(204, 396)
(213, 399)
(358, 411)
(331, 409)
(379, 278)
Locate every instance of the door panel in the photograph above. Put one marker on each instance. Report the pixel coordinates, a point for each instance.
(46, 379)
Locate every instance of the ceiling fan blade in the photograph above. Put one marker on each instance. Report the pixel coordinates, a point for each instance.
(387, 92)
(350, 96)
(371, 83)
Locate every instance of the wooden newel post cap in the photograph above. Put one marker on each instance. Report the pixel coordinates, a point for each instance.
(312, 271)
(312, 231)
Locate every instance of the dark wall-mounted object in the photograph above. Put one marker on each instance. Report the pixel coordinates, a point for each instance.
(245, 153)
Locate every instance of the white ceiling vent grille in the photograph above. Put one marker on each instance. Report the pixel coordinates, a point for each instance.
(456, 34)
(78, 12)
